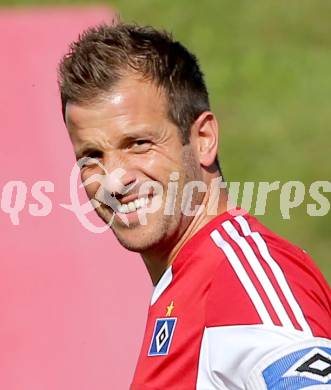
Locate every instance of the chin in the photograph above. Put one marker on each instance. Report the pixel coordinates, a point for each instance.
(134, 245)
(142, 239)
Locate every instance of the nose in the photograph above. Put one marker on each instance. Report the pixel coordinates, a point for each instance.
(118, 181)
(119, 176)
(114, 185)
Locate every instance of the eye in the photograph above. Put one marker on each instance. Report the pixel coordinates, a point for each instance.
(90, 158)
(94, 154)
(141, 144)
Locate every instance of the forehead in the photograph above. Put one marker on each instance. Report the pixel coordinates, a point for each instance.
(131, 103)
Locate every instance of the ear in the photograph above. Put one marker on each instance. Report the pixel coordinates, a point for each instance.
(204, 138)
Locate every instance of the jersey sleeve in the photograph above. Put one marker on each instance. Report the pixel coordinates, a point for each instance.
(230, 353)
(266, 296)
(296, 366)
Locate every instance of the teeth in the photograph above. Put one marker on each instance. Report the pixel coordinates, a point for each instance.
(132, 206)
(125, 208)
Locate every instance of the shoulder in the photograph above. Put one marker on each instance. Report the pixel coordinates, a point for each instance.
(265, 280)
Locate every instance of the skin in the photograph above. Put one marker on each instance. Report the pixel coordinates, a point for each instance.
(129, 128)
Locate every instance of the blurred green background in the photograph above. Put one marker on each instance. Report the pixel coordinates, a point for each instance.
(268, 69)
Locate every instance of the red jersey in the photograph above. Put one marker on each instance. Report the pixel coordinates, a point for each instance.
(235, 295)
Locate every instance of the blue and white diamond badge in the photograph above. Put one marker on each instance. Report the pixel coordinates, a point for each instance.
(162, 336)
(303, 368)
(299, 365)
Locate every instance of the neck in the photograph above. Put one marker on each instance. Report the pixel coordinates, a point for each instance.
(157, 261)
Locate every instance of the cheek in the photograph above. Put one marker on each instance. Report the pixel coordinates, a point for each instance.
(91, 188)
(159, 164)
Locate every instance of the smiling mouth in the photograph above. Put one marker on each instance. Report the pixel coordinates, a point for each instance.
(128, 204)
(126, 208)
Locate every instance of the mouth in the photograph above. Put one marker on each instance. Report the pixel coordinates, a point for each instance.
(132, 206)
(127, 208)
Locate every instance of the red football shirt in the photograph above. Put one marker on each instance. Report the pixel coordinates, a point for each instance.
(234, 293)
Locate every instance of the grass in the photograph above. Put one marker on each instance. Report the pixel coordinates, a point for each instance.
(267, 66)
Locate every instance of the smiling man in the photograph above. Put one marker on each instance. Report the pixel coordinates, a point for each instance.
(130, 129)
(234, 306)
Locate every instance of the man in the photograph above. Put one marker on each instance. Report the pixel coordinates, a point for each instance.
(234, 305)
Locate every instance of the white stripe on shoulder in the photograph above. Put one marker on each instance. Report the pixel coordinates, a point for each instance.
(260, 273)
(277, 271)
(242, 275)
(163, 283)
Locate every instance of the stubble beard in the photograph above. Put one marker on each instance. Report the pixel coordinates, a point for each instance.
(143, 238)
(160, 230)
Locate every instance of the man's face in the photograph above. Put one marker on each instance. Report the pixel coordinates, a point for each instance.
(129, 129)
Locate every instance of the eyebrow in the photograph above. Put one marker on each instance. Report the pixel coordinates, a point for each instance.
(136, 133)
(127, 136)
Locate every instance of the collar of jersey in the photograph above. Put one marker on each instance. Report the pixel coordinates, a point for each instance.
(189, 247)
